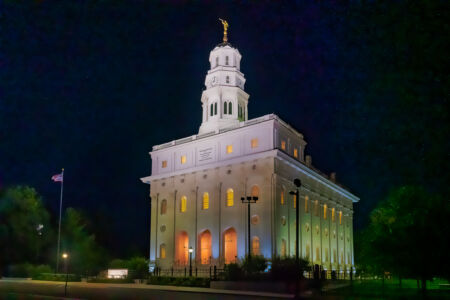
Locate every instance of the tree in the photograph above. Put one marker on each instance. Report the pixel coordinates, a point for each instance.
(407, 235)
(24, 226)
(85, 255)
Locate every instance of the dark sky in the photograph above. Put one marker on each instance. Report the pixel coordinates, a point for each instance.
(91, 85)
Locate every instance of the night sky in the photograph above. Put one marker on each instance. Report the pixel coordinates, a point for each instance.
(91, 86)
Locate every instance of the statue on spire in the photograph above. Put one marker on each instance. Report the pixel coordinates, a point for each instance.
(225, 29)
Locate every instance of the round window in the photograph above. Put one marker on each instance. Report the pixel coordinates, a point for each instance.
(255, 219)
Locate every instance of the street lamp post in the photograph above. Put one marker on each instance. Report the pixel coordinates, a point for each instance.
(65, 256)
(248, 200)
(298, 184)
(190, 261)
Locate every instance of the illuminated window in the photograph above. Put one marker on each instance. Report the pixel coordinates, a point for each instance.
(226, 60)
(255, 191)
(205, 247)
(217, 61)
(229, 149)
(164, 164)
(225, 108)
(332, 214)
(295, 152)
(212, 110)
(183, 203)
(340, 217)
(163, 207)
(254, 143)
(215, 108)
(227, 79)
(183, 159)
(283, 248)
(282, 198)
(294, 198)
(205, 200)
(306, 204)
(162, 251)
(283, 145)
(230, 197)
(255, 245)
(316, 208)
(230, 110)
(324, 211)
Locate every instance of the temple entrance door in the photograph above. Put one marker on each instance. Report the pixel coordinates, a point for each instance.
(182, 248)
(205, 247)
(230, 245)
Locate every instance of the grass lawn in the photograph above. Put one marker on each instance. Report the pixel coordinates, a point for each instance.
(392, 290)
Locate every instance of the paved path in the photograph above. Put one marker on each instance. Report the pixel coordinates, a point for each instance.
(18, 289)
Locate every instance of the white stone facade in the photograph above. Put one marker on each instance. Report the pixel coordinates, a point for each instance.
(197, 182)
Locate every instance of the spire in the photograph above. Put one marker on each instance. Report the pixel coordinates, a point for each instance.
(225, 29)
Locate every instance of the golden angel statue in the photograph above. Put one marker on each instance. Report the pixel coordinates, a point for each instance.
(225, 29)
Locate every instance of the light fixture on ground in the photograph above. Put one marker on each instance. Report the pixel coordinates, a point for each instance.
(190, 260)
(248, 200)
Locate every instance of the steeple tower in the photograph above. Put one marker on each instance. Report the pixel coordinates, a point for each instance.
(224, 101)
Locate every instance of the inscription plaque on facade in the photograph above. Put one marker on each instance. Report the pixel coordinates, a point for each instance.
(205, 154)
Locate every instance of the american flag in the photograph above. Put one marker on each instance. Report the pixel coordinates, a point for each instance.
(58, 177)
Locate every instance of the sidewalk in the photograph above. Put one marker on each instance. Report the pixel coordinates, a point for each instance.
(153, 287)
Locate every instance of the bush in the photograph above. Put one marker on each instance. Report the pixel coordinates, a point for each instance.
(57, 277)
(254, 264)
(27, 270)
(179, 281)
(233, 272)
(110, 280)
(288, 269)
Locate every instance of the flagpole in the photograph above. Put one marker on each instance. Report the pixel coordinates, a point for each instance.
(59, 226)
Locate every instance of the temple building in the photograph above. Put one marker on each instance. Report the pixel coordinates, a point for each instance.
(197, 182)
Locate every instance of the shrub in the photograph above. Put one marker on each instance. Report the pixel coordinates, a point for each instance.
(233, 272)
(27, 270)
(110, 280)
(57, 277)
(288, 268)
(254, 264)
(179, 281)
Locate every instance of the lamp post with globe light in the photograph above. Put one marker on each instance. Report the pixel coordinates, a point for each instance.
(65, 256)
(190, 260)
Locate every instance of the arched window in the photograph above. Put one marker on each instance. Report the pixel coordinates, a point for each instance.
(294, 199)
(226, 60)
(317, 253)
(255, 191)
(239, 111)
(324, 211)
(212, 109)
(215, 108)
(227, 79)
(230, 197)
(316, 208)
(340, 217)
(334, 256)
(306, 204)
(217, 61)
(332, 214)
(225, 108)
(326, 254)
(163, 207)
(183, 204)
(230, 111)
(283, 248)
(205, 200)
(282, 197)
(162, 251)
(255, 246)
(308, 252)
